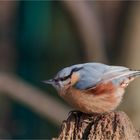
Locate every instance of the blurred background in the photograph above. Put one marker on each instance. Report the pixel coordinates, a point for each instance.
(38, 38)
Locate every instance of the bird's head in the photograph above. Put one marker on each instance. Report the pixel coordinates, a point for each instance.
(65, 78)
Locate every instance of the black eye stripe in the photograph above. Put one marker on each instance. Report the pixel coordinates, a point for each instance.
(56, 80)
(66, 77)
(74, 70)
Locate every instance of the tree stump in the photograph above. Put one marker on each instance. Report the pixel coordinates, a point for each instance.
(108, 126)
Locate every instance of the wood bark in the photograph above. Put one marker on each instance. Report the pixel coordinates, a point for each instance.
(107, 126)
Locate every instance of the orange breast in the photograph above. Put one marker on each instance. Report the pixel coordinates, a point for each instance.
(103, 98)
(103, 88)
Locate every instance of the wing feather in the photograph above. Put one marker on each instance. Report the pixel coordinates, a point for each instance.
(93, 74)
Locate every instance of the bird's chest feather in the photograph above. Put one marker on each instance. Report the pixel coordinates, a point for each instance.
(100, 98)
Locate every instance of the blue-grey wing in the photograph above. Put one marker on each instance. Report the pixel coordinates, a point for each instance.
(90, 75)
(94, 73)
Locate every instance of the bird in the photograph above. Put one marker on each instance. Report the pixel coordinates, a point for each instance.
(93, 87)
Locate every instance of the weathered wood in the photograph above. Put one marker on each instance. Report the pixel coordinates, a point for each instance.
(107, 126)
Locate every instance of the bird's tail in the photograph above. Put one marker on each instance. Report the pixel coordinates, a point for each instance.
(135, 73)
(131, 74)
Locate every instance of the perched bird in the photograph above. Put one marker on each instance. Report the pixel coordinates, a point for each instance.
(93, 87)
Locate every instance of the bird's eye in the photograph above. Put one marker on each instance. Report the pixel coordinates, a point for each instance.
(63, 78)
(56, 80)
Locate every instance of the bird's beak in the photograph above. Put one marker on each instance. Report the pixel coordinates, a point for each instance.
(50, 81)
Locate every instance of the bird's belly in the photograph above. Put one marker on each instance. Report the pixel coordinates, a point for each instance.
(90, 103)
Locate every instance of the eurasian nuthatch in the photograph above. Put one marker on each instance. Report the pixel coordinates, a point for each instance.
(93, 87)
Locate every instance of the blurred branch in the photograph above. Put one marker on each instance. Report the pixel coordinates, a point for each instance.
(111, 13)
(89, 29)
(32, 97)
(8, 12)
(8, 17)
(8, 55)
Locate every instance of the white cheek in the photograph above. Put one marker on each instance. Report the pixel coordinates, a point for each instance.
(61, 84)
(66, 82)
